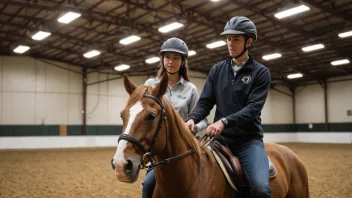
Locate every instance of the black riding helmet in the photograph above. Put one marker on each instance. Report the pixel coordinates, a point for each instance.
(241, 25)
(174, 45)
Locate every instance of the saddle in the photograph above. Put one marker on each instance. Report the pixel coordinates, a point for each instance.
(231, 167)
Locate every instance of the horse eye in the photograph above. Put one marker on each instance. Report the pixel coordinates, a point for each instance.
(150, 117)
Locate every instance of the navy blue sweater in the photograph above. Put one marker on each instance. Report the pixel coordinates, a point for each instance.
(240, 99)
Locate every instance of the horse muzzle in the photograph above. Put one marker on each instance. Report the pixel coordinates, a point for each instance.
(126, 170)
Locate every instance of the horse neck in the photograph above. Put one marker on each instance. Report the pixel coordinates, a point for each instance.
(182, 172)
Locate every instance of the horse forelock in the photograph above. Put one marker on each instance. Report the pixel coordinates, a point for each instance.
(137, 95)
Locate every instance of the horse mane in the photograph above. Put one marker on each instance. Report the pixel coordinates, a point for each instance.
(185, 133)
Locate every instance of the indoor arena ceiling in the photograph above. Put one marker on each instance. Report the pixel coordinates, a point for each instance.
(103, 23)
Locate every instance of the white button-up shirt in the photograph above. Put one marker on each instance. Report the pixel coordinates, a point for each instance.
(183, 97)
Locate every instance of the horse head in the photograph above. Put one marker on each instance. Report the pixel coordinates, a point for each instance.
(144, 129)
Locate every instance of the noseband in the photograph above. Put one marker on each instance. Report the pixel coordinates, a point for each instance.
(148, 153)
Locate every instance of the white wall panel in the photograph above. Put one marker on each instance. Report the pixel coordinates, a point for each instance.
(18, 108)
(40, 76)
(74, 109)
(137, 80)
(41, 110)
(75, 83)
(57, 80)
(18, 74)
(277, 109)
(103, 86)
(1, 110)
(56, 108)
(1, 66)
(339, 101)
(116, 104)
(97, 109)
(310, 104)
(199, 83)
(115, 87)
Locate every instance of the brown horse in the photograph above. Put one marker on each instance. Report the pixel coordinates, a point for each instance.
(151, 127)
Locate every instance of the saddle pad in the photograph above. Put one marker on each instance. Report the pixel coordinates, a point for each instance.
(222, 166)
(272, 169)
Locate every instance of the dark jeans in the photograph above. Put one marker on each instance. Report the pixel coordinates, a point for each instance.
(148, 184)
(254, 161)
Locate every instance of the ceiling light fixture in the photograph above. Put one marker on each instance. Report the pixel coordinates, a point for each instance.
(40, 35)
(292, 76)
(345, 34)
(292, 11)
(192, 53)
(271, 56)
(340, 62)
(21, 49)
(152, 60)
(91, 53)
(69, 17)
(170, 27)
(130, 39)
(216, 44)
(121, 67)
(313, 47)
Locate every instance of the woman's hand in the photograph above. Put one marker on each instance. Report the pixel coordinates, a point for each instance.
(190, 124)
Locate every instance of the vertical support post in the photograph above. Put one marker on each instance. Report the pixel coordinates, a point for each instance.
(294, 108)
(326, 106)
(84, 103)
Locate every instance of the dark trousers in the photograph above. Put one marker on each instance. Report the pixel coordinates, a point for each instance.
(148, 184)
(254, 161)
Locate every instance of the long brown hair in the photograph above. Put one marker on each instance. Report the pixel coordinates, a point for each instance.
(183, 69)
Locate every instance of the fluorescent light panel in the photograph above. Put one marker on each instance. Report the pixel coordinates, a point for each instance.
(192, 53)
(21, 49)
(40, 35)
(292, 11)
(216, 44)
(91, 53)
(340, 62)
(271, 56)
(122, 67)
(313, 47)
(345, 34)
(292, 76)
(152, 60)
(130, 39)
(170, 27)
(69, 17)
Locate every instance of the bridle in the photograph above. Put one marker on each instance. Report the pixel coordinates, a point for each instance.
(148, 153)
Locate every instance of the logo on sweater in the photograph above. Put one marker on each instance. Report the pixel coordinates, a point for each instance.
(181, 97)
(246, 79)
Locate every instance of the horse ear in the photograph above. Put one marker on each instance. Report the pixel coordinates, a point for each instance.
(129, 86)
(161, 88)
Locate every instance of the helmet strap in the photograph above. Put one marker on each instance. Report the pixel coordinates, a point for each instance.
(245, 48)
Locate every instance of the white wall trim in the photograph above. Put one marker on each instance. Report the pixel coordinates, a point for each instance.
(58, 142)
(111, 140)
(310, 137)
